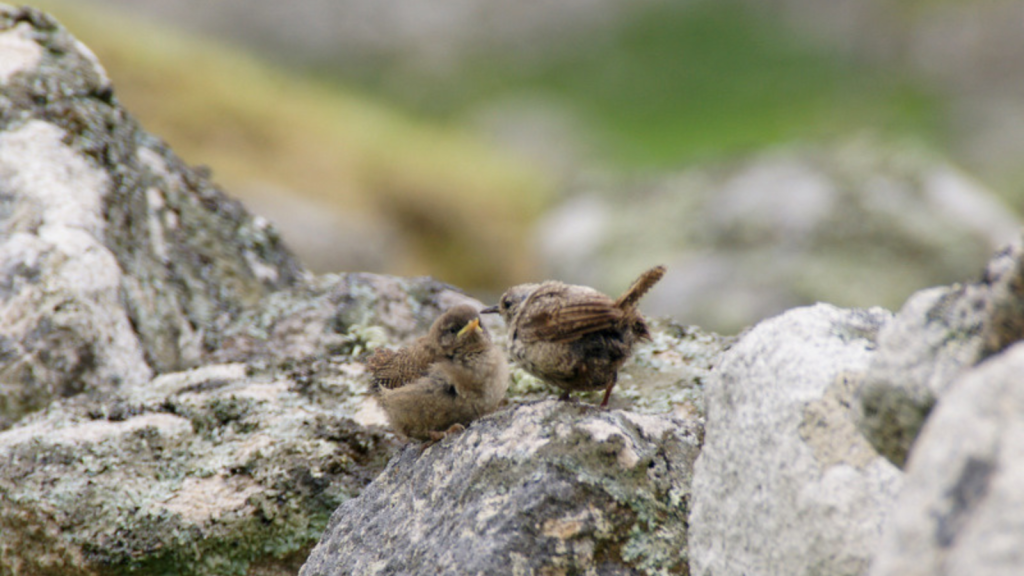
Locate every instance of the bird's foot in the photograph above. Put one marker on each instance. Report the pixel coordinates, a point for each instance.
(452, 430)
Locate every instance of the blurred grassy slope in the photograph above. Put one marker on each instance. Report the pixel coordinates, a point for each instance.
(462, 209)
(679, 82)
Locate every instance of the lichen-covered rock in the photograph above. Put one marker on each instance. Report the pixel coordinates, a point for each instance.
(785, 484)
(337, 314)
(862, 223)
(938, 334)
(542, 488)
(119, 267)
(664, 375)
(961, 509)
(117, 260)
(208, 471)
(221, 468)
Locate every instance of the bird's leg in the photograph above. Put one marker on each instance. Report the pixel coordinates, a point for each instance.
(451, 431)
(454, 429)
(608, 391)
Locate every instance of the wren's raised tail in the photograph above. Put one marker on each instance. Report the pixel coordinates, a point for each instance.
(574, 336)
(443, 381)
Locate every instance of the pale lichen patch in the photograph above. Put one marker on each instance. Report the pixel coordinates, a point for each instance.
(262, 391)
(97, 431)
(829, 429)
(562, 528)
(71, 196)
(370, 413)
(652, 427)
(177, 382)
(602, 431)
(20, 51)
(94, 431)
(256, 446)
(202, 499)
(155, 200)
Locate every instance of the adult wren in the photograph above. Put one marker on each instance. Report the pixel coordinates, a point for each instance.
(443, 381)
(574, 336)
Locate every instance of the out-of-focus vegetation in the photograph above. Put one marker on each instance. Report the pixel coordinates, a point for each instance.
(685, 81)
(668, 85)
(462, 208)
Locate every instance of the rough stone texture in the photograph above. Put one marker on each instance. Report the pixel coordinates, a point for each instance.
(664, 375)
(208, 471)
(961, 509)
(119, 267)
(861, 223)
(785, 484)
(939, 333)
(118, 261)
(238, 466)
(337, 314)
(223, 468)
(544, 488)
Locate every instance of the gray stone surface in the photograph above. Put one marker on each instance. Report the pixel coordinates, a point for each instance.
(120, 267)
(211, 471)
(224, 468)
(543, 488)
(939, 333)
(961, 509)
(864, 222)
(665, 375)
(785, 484)
(118, 261)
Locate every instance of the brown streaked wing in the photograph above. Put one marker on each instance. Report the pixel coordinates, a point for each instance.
(569, 322)
(393, 369)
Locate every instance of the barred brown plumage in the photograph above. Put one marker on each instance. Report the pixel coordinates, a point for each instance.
(574, 336)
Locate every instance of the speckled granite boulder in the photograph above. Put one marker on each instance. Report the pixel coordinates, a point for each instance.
(544, 488)
(120, 268)
(117, 260)
(961, 509)
(785, 484)
(937, 335)
(209, 471)
(223, 468)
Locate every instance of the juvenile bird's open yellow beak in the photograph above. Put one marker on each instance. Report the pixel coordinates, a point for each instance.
(473, 324)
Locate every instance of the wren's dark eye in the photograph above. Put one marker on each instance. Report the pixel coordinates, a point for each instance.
(452, 329)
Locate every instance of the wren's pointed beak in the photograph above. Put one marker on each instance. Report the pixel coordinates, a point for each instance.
(473, 324)
(490, 310)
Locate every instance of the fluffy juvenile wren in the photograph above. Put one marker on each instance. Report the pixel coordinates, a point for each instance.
(396, 368)
(444, 380)
(574, 336)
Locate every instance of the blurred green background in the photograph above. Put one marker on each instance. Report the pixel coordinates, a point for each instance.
(410, 139)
